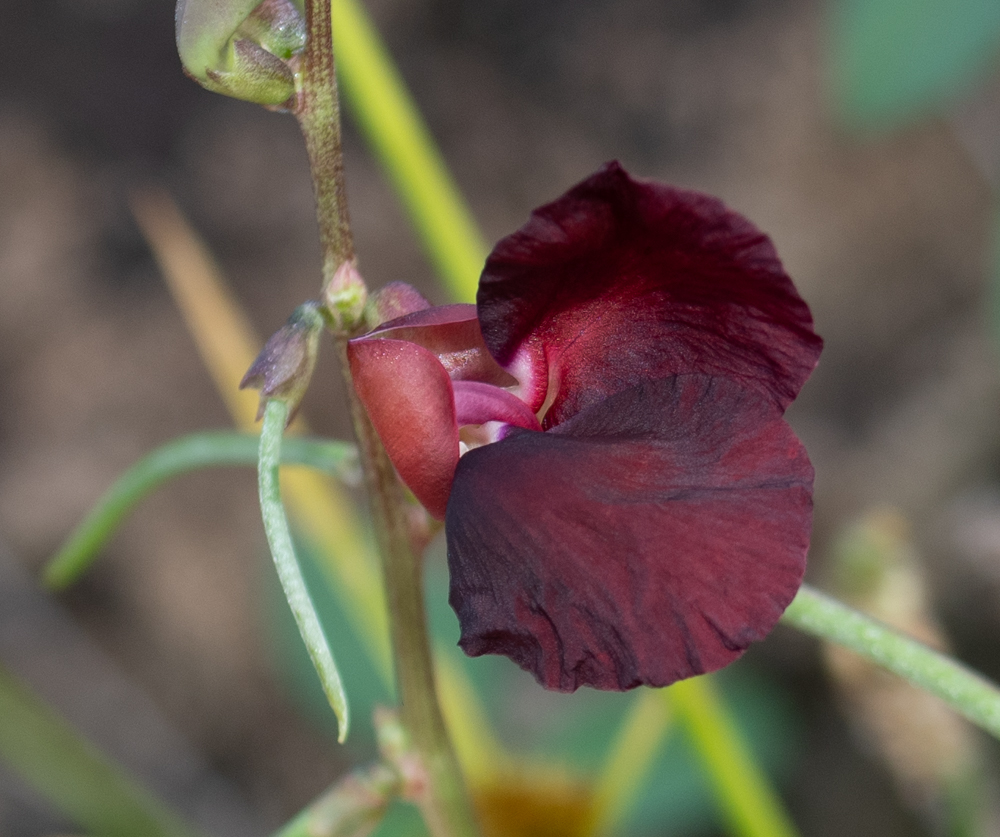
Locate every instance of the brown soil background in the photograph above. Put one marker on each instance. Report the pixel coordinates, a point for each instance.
(887, 237)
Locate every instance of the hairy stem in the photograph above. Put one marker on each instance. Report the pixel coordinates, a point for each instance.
(446, 807)
(968, 693)
(318, 112)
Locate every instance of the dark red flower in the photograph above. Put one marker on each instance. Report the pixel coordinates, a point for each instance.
(602, 433)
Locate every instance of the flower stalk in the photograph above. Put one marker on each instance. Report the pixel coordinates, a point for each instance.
(446, 807)
(318, 112)
(445, 804)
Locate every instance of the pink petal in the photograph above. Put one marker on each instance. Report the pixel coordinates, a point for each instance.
(408, 396)
(648, 539)
(621, 280)
(477, 403)
(452, 333)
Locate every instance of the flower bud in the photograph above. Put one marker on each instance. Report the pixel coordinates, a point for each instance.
(393, 301)
(285, 365)
(344, 297)
(239, 47)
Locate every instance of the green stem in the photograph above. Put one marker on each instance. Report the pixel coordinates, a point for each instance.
(318, 112)
(279, 538)
(968, 693)
(199, 450)
(446, 807)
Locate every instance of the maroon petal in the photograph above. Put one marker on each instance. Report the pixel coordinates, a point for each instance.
(650, 538)
(408, 396)
(621, 280)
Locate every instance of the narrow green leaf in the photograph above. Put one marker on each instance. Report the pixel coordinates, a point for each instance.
(279, 538)
(896, 60)
(189, 453)
(69, 771)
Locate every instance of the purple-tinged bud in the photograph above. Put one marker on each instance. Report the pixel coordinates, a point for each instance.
(344, 298)
(285, 365)
(395, 300)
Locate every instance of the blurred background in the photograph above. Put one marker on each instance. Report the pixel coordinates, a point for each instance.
(880, 203)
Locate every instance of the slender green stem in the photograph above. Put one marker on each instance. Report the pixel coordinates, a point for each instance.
(279, 538)
(199, 450)
(318, 112)
(748, 803)
(970, 694)
(69, 771)
(446, 807)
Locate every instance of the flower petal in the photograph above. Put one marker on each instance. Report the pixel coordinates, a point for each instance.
(408, 396)
(477, 403)
(650, 538)
(452, 333)
(621, 280)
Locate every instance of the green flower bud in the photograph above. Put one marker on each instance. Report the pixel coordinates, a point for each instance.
(344, 298)
(239, 47)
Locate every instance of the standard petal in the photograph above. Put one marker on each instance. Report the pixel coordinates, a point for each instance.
(621, 280)
(408, 396)
(650, 538)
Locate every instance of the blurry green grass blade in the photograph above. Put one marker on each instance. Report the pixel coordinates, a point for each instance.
(199, 450)
(380, 103)
(896, 60)
(279, 539)
(48, 754)
(632, 757)
(749, 804)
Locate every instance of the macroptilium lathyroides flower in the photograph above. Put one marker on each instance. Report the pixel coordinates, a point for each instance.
(603, 435)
